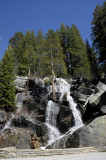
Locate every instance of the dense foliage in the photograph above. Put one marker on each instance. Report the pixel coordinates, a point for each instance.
(62, 53)
(7, 88)
(80, 66)
(32, 54)
(99, 33)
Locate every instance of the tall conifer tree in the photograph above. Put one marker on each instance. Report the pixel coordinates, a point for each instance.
(79, 61)
(7, 87)
(16, 43)
(41, 41)
(53, 46)
(92, 57)
(99, 33)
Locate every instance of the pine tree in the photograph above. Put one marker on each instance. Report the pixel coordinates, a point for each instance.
(63, 37)
(53, 47)
(24, 48)
(27, 58)
(80, 66)
(33, 40)
(41, 58)
(16, 44)
(98, 34)
(7, 87)
(92, 57)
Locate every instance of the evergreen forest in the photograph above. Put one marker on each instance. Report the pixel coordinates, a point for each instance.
(32, 54)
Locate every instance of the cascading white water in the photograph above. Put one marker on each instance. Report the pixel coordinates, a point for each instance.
(64, 88)
(51, 115)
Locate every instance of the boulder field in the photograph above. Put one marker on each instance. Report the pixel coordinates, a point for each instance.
(32, 96)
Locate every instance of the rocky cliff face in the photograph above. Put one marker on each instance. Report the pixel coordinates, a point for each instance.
(33, 96)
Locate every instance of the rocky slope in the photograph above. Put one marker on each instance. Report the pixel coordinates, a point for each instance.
(32, 98)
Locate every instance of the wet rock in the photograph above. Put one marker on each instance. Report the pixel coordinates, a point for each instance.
(44, 129)
(44, 133)
(65, 119)
(45, 138)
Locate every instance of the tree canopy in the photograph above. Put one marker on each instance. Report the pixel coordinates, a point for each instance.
(99, 32)
(71, 56)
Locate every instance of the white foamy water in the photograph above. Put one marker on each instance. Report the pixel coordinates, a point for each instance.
(51, 116)
(54, 135)
(64, 88)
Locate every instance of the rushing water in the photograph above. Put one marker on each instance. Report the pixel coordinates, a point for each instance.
(64, 88)
(54, 135)
(52, 110)
(51, 115)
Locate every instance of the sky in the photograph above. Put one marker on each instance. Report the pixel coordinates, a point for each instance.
(23, 15)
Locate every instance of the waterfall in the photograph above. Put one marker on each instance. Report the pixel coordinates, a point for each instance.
(76, 114)
(64, 88)
(52, 111)
(54, 135)
(51, 115)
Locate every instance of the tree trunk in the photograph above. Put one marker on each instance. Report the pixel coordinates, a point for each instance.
(53, 85)
(29, 73)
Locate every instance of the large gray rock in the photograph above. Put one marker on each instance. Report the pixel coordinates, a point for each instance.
(94, 134)
(94, 100)
(85, 91)
(18, 137)
(44, 133)
(65, 118)
(79, 96)
(21, 121)
(20, 82)
(100, 89)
